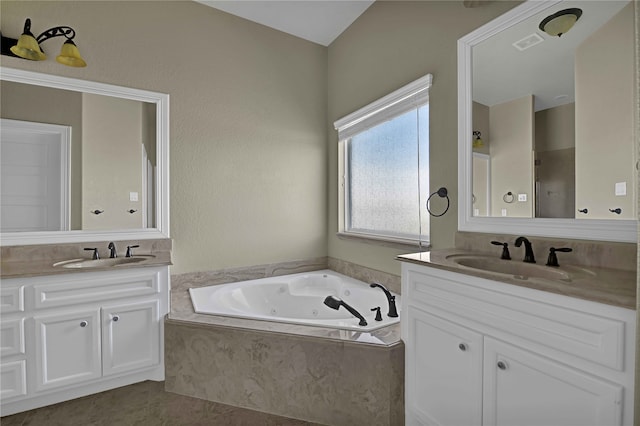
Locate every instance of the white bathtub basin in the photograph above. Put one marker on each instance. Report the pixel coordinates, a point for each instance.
(297, 299)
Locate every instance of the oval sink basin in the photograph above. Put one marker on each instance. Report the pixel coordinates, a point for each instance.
(518, 269)
(101, 263)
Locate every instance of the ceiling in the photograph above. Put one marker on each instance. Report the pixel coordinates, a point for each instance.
(319, 21)
(503, 73)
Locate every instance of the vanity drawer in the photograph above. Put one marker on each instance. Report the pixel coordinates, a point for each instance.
(12, 337)
(11, 297)
(95, 287)
(13, 379)
(549, 323)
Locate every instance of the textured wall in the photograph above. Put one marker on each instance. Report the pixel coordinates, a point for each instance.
(391, 44)
(248, 119)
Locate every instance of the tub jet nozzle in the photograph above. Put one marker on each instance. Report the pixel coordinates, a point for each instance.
(334, 303)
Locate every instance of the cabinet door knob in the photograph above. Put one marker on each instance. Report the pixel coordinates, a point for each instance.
(84, 324)
(462, 346)
(502, 365)
(116, 318)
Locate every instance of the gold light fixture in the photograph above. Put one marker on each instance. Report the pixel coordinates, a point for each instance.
(28, 46)
(477, 142)
(560, 22)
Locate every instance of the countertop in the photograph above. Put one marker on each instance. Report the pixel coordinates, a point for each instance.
(39, 259)
(610, 286)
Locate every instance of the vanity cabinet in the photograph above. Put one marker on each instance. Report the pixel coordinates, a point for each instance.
(70, 335)
(480, 352)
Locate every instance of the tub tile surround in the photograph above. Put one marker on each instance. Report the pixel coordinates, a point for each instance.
(38, 259)
(310, 379)
(316, 374)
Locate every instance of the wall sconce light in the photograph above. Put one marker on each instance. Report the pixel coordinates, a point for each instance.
(28, 46)
(560, 22)
(477, 142)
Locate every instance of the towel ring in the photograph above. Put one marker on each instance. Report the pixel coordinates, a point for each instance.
(508, 197)
(442, 193)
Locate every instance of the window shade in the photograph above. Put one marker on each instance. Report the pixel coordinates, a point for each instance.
(411, 96)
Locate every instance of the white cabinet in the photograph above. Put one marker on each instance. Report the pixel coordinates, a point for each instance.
(448, 371)
(67, 348)
(522, 388)
(130, 337)
(479, 352)
(70, 335)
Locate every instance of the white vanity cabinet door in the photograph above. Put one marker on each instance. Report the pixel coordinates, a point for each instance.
(130, 337)
(67, 348)
(13, 379)
(444, 365)
(522, 388)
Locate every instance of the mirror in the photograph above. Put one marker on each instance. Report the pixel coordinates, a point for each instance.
(546, 143)
(96, 159)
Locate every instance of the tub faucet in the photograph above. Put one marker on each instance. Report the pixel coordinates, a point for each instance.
(334, 303)
(393, 313)
(528, 250)
(112, 250)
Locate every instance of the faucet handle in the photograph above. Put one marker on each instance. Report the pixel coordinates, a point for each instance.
(378, 314)
(505, 249)
(129, 251)
(95, 252)
(552, 260)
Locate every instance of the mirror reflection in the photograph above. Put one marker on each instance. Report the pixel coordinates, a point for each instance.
(553, 117)
(75, 161)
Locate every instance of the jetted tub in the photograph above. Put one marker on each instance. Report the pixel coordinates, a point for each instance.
(297, 299)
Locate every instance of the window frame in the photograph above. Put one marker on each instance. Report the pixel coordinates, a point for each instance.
(407, 98)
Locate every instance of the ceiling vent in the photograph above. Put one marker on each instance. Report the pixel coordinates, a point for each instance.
(528, 41)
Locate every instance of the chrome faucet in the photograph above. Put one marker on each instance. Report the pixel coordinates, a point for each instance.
(393, 313)
(528, 250)
(112, 250)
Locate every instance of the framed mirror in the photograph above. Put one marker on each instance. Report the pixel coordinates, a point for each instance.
(82, 161)
(550, 121)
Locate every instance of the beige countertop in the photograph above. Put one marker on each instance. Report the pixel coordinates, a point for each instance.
(21, 269)
(37, 260)
(610, 286)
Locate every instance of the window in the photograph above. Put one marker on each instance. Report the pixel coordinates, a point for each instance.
(384, 167)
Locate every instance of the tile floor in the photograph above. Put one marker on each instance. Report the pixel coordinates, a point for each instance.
(144, 404)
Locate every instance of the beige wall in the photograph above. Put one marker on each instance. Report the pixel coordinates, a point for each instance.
(391, 44)
(248, 119)
(604, 119)
(555, 128)
(111, 162)
(43, 105)
(512, 132)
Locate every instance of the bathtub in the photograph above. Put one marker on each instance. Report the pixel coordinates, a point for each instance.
(297, 299)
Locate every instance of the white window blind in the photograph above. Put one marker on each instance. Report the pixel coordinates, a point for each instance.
(394, 104)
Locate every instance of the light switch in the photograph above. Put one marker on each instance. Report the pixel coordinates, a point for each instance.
(522, 197)
(621, 188)
(133, 196)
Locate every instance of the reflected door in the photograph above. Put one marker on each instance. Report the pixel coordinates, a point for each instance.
(34, 190)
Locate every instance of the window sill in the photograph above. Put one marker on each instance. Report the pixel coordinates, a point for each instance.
(398, 243)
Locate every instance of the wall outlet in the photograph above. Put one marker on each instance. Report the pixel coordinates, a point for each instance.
(522, 197)
(133, 196)
(504, 212)
(476, 212)
(621, 188)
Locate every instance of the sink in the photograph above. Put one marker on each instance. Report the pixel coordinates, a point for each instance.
(515, 268)
(101, 263)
